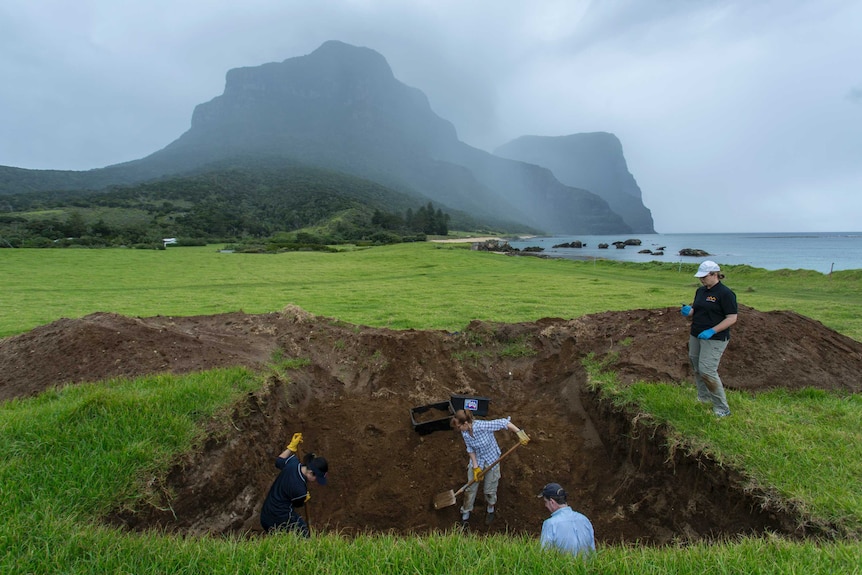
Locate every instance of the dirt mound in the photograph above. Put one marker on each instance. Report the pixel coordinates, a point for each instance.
(766, 350)
(105, 345)
(353, 403)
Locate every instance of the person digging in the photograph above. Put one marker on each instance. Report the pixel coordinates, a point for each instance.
(483, 451)
(289, 491)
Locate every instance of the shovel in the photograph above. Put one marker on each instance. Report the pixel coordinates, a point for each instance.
(447, 498)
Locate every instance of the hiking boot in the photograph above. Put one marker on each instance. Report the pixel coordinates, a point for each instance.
(464, 525)
(721, 412)
(489, 518)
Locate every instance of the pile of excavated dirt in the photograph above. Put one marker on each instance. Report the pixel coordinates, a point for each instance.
(354, 401)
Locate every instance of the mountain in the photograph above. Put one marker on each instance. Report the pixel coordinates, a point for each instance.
(341, 108)
(594, 161)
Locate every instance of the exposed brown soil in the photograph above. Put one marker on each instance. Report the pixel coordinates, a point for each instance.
(356, 401)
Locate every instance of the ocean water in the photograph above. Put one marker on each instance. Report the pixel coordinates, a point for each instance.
(819, 251)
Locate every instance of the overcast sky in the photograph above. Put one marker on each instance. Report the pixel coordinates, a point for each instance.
(734, 116)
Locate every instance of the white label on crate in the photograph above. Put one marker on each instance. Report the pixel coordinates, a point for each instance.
(471, 404)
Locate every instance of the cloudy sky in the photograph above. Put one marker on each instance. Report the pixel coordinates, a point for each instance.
(735, 116)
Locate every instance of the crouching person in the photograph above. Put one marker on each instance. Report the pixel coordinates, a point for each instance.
(289, 491)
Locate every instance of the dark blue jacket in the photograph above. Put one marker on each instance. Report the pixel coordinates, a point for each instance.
(288, 491)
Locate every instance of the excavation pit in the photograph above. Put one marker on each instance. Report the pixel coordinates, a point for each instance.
(351, 399)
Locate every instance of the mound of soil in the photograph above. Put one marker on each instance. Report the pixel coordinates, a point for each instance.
(356, 401)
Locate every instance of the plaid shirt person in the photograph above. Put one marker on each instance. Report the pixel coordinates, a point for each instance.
(482, 442)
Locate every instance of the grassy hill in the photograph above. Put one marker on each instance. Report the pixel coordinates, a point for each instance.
(239, 201)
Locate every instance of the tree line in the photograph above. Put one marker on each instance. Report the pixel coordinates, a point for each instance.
(259, 209)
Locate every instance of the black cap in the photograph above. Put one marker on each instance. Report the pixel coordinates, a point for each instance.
(319, 467)
(552, 490)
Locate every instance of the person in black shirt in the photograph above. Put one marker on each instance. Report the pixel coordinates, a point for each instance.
(290, 489)
(712, 313)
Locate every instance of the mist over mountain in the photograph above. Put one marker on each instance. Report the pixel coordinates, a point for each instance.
(341, 108)
(593, 161)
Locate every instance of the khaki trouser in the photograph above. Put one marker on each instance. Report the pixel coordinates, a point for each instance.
(705, 354)
(490, 481)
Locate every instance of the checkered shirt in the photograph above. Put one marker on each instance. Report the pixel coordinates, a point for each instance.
(482, 442)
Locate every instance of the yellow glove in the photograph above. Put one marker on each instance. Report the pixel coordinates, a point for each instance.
(477, 474)
(307, 496)
(523, 437)
(294, 442)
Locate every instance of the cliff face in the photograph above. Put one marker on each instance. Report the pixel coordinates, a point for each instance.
(340, 101)
(594, 161)
(341, 108)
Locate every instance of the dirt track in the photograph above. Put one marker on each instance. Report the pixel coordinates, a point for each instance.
(353, 404)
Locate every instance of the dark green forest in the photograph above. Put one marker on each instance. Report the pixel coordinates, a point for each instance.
(255, 208)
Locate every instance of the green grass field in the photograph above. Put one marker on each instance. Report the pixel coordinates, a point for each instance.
(68, 456)
(423, 286)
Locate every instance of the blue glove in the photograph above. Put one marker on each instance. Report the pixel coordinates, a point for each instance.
(686, 309)
(706, 334)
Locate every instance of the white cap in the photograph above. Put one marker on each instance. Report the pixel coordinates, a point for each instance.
(707, 268)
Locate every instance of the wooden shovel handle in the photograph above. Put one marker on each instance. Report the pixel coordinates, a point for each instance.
(496, 461)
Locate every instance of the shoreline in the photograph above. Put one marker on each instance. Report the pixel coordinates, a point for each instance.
(465, 240)
(482, 239)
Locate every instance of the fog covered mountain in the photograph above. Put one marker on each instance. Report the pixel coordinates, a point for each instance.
(593, 161)
(341, 108)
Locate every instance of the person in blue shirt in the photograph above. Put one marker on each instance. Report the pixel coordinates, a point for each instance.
(290, 489)
(566, 530)
(712, 313)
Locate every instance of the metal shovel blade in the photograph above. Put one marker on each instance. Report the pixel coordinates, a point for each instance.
(444, 499)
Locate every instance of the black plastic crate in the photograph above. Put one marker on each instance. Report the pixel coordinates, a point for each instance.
(431, 417)
(478, 405)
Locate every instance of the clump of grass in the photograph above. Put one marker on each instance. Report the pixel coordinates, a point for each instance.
(377, 361)
(517, 349)
(279, 364)
(469, 355)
